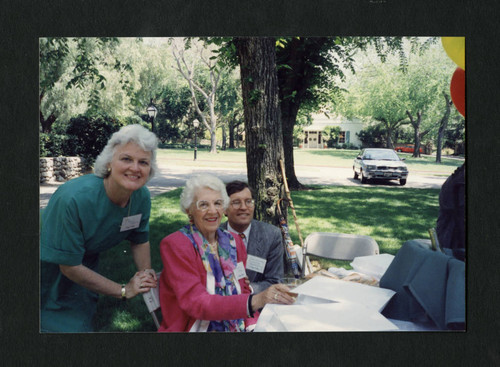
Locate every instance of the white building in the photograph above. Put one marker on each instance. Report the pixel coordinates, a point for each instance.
(348, 128)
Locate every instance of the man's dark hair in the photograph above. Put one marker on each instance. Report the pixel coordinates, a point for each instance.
(237, 186)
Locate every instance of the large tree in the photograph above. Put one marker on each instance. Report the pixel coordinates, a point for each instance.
(309, 71)
(306, 68)
(53, 63)
(264, 142)
(426, 79)
(77, 67)
(230, 107)
(190, 67)
(377, 93)
(443, 124)
(394, 97)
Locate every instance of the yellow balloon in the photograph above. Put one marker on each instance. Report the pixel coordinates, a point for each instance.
(455, 48)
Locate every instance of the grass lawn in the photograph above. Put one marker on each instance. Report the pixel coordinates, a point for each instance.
(236, 158)
(389, 215)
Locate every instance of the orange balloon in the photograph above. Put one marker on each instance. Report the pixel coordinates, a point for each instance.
(457, 90)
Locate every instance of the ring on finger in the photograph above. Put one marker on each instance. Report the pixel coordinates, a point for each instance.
(140, 286)
(276, 296)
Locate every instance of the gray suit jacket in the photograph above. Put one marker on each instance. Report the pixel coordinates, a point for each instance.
(265, 241)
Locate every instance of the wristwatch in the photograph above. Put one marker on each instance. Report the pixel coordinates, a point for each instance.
(124, 291)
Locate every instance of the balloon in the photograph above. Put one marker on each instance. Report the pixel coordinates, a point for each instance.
(455, 48)
(457, 90)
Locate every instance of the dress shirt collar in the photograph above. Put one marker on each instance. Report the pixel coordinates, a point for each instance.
(246, 232)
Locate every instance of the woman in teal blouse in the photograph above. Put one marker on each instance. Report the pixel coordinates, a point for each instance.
(88, 215)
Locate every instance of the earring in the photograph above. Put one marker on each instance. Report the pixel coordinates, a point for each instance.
(191, 220)
(109, 170)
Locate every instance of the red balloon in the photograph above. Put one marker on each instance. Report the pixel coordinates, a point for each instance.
(457, 90)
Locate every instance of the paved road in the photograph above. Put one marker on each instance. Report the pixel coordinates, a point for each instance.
(173, 176)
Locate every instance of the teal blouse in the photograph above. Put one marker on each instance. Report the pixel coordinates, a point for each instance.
(79, 223)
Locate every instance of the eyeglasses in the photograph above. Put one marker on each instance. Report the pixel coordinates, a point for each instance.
(203, 205)
(238, 203)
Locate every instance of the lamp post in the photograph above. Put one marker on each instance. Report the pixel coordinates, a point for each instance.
(196, 123)
(152, 111)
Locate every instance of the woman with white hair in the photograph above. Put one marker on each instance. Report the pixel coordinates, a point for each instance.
(88, 215)
(203, 285)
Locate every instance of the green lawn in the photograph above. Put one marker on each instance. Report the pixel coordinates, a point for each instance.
(325, 157)
(391, 216)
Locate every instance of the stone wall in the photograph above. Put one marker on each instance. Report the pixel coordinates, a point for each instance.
(60, 168)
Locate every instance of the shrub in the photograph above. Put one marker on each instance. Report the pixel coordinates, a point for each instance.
(373, 136)
(350, 146)
(44, 139)
(52, 144)
(87, 136)
(166, 131)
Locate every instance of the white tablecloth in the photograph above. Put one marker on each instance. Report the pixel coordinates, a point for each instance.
(326, 304)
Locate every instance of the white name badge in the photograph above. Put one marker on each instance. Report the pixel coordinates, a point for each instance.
(131, 222)
(239, 271)
(255, 263)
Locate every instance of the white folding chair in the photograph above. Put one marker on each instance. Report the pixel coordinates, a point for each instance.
(152, 300)
(338, 246)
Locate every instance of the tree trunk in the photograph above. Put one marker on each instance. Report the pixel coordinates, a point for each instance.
(213, 142)
(416, 145)
(187, 70)
(223, 137)
(213, 126)
(288, 122)
(292, 81)
(231, 135)
(264, 144)
(237, 135)
(390, 127)
(416, 132)
(441, 130)
(47, 123)
(389, 143)
(442, 127)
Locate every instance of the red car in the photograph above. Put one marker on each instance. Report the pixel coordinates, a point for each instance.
(406, 148)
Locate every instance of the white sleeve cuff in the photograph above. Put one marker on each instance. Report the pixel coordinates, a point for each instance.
(250, 328)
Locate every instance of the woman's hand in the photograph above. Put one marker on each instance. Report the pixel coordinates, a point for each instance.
(277, 293)
(141, 282)
(150, 272)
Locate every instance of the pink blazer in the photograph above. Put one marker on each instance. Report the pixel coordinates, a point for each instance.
(183, 295)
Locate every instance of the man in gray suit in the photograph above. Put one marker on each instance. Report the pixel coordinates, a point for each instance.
(263, 241)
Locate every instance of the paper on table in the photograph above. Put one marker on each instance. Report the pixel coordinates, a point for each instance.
(303, 299)
(340, 291)
(268, 320)
(373, 265)
(332, 317)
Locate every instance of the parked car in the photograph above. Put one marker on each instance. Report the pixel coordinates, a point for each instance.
(406, 148)
(383, 164)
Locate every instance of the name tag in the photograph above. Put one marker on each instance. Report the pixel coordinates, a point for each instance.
(239, 271)
(131, 222)
(255, 263)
